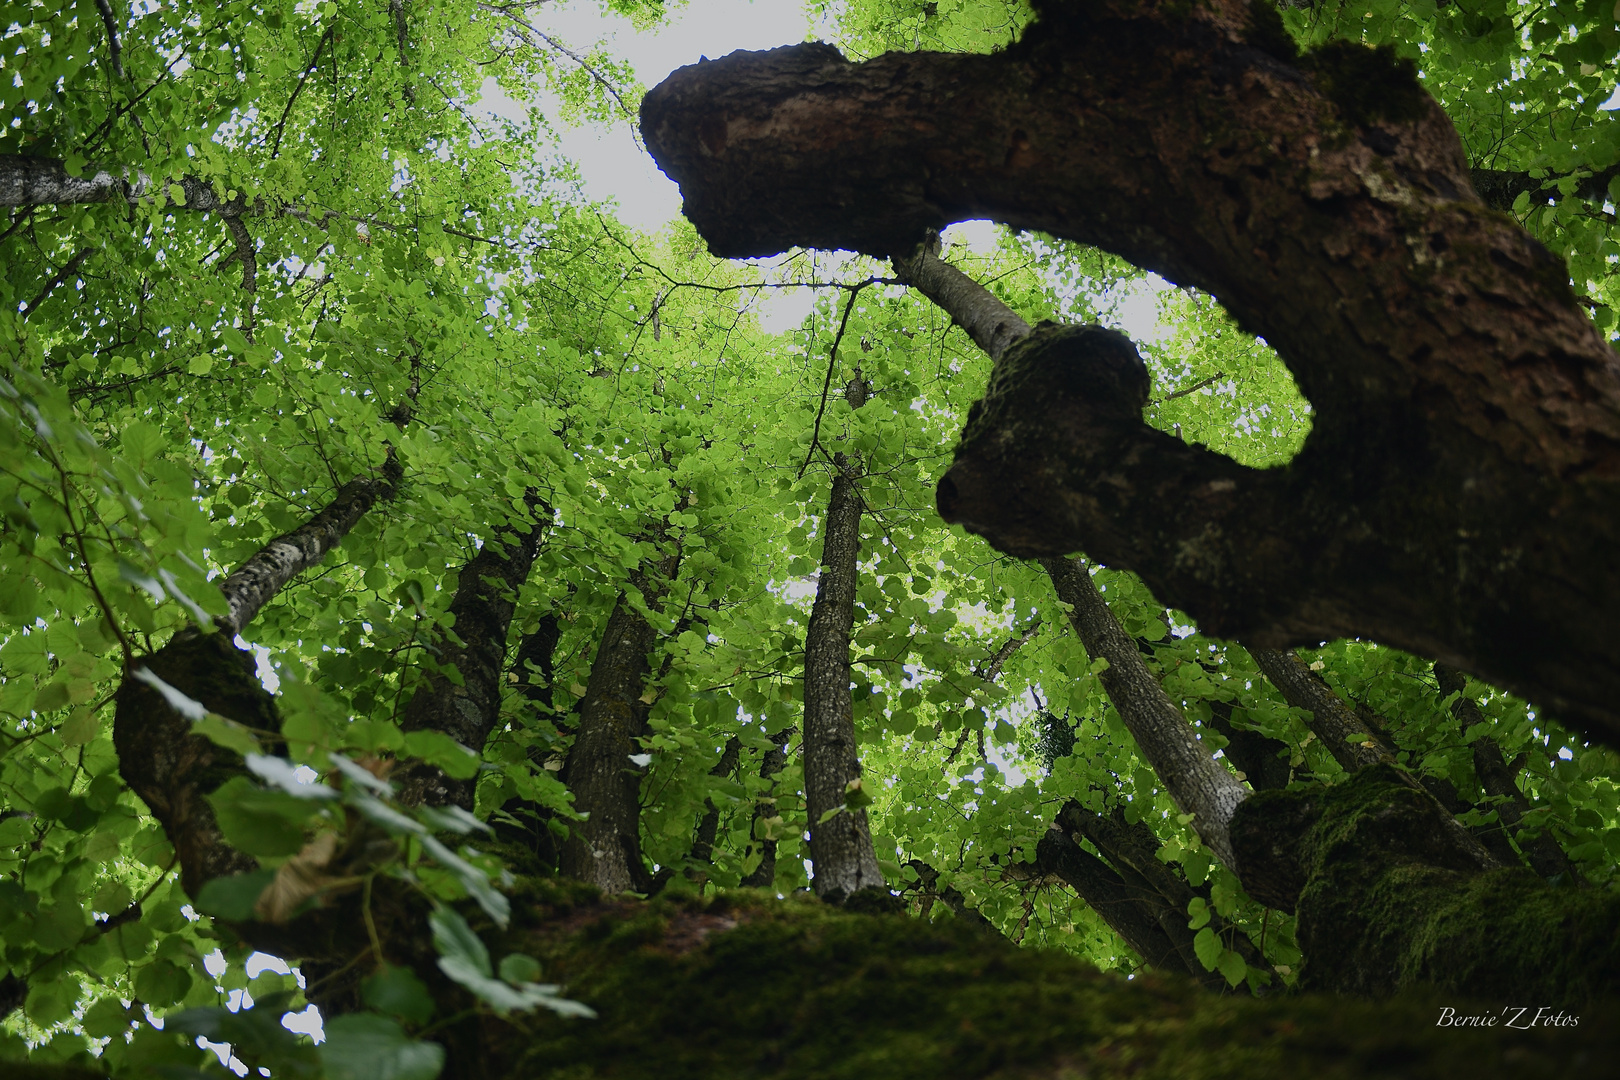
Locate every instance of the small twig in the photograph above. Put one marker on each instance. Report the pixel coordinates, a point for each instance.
(832, 362)
(62, 275)
(1193, 389)
(281, 126)
(560, 47)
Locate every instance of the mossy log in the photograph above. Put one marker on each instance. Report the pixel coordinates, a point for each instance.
(1385, 900)
(745, 985)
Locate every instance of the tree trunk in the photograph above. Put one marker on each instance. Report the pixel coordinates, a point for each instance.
(1542, 851)
(1467, 412)
(486, 596)
(1338, 729)
(252, 584)
(709, 824)
(172, 770)
(763, 876)
(604, 850)
(840, 844)
(1199, 784)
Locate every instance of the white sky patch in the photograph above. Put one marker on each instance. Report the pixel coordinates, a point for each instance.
(610, 162)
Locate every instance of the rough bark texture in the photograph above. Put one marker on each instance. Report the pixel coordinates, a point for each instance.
(840, 847)
(486, 595)
(1541, 850)
(604, 850)
(709, 824)
(1199, 784)
(992, 325)
(252, 584)
(1338, 728)
(763, 876)
(1457, 495)
(1499, 188)
(32, 181)
(1130, 915)
(1387, 898)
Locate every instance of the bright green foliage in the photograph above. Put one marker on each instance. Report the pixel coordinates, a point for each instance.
(159, 423)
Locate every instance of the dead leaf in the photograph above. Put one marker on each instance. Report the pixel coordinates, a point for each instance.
(298, 879)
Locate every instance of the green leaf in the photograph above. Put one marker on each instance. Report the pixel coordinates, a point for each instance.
(1198, 908)
(161, 983)
(518, 968)
(1232, 968)
(200, 364)
(1207, 946)
(365, 1046)
(232, 898)
(259, 821)
(437, 748)
(458, 945)
(227, 733)
(398, 992)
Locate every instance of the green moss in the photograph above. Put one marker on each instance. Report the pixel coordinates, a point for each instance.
(1368, 84)
(748, 986)
(1387, 904)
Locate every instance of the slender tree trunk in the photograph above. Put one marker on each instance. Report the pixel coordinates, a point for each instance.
(252, 584)
(1130, 915)
(486, 596)
(1199, 784)
(840, 844)
(992, 325)
(709, 824)
(605, 848)
(1542, 851)
(173, 770)
(1336, 726)
(772, 762)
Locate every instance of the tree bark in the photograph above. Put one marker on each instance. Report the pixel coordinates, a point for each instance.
(605, 849)
(1457, 495)
(486, 596)
(1542, 851)
(1338, 729)
(763, 876)
(992, 325)
(841, 845)
(251, 585)
(172, 770)
(1199, 784)
(709, 823)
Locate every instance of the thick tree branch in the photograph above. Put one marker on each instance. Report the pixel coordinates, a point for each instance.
(1339, 729)
(1199, 784)
(1457, 495)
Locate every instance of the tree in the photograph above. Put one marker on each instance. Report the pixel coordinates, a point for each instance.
(1206, 147)
(455, 567)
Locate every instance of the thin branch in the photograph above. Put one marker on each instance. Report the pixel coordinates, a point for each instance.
(113, 46)
(560, 47)
(281, 125)
(62, 275)
(1193, 389)
(832, 362)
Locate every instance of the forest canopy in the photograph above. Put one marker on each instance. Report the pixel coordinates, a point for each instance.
(447, 630)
